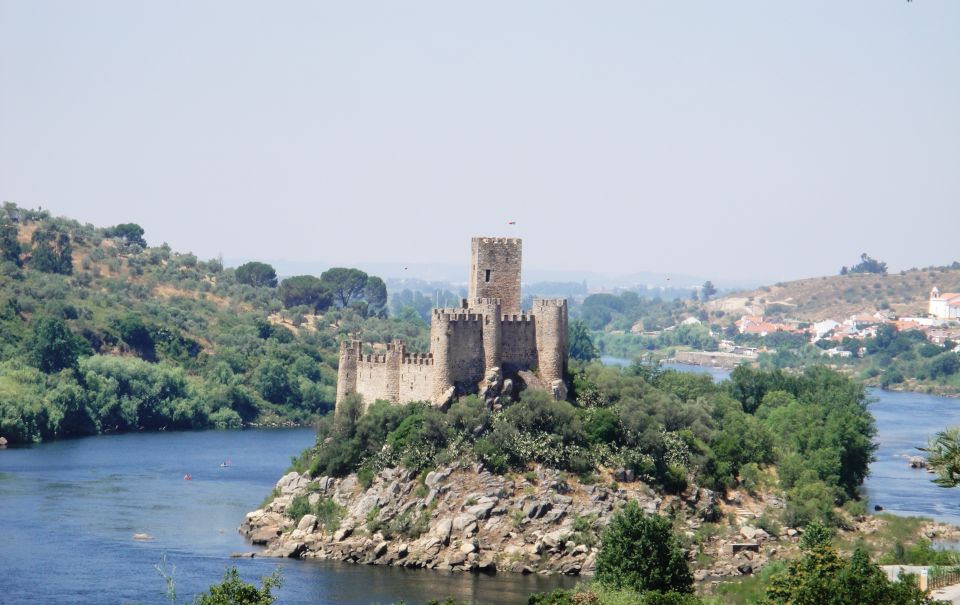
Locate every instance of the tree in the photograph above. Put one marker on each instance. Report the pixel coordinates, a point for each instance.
(52, 346)
(821, 575)
(257, 274)
(581, 342)
(869, 265)
(131, 233)
(234, 591)
(52, 251)
(375, 292)
(640, 552)
(305, 290)
(347, 284)
(707, 290)
(10, 248)
(943, 456)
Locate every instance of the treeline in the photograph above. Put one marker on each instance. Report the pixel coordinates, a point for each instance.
(669, 428)
(127, 337)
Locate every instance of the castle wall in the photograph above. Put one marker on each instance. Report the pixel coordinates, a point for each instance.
(519, 342)
(375, 380)
(416, 381)
(495, 271)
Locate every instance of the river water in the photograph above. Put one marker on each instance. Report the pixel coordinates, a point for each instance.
(69, 510)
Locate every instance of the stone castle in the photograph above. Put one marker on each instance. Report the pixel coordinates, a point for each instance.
(487, 345)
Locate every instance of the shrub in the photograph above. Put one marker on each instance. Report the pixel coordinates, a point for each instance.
(641, 553)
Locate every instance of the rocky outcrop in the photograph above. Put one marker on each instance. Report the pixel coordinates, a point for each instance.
(468, 519)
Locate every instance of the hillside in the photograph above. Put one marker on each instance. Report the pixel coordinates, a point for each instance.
(100, 332)
(840, 296)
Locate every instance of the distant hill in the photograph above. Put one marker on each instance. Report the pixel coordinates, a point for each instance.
(838, 296)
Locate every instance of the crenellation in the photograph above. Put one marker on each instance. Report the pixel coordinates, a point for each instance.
(487, 331)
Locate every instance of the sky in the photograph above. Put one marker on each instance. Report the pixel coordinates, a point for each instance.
(743, 140)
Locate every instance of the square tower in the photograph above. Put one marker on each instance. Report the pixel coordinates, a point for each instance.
(495, 271)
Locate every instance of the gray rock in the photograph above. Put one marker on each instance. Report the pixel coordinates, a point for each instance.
(264, 535)
(380, 548)
(307, 523)
(442, 530)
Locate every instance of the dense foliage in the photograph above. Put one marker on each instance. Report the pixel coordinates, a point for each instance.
(822, 575)
(142, 338)
(641, 553)
(670, 428)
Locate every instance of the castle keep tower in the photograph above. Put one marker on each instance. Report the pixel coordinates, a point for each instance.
(495, 271)
(473, 346)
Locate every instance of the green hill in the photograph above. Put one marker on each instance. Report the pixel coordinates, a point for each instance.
(100, 333)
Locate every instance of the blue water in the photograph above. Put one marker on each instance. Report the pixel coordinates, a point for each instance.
(69, 510)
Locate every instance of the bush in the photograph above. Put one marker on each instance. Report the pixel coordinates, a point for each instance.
(641, 553)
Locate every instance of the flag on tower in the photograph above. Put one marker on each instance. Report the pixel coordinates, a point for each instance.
(511, 222)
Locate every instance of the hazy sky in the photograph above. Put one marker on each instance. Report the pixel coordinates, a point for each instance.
(732, 139)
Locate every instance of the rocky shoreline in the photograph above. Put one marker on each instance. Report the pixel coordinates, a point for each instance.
(468, 519)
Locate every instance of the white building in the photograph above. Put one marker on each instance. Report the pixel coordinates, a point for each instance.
(944, 306)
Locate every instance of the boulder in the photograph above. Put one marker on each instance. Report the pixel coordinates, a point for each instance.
(442, 530)
(264, 535)
(290, 550)
(380, 548)
(307, 523)
(342, 534)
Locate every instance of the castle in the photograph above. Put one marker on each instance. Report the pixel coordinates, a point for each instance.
(485, 345)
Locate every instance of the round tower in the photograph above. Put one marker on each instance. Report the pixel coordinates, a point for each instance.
(550, 320)
(489, 308)
(347, 370)
(440, 333)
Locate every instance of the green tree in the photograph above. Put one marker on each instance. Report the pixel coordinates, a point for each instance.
(869, 265)
(257, 274)
(131, 233)
(52, 251)
(347, 284)
(581, 342)
(640, 552)
(234, 591)
(10, 248)
(305, 290)
(707, 290)
(375, 293)
(822, 576)
(52, 346)
(943, 456)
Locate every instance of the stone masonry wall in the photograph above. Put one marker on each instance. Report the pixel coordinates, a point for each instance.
(495, 271)
(519, 343)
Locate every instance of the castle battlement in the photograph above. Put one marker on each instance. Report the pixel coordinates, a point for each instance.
(487, 331)
(522, 318)
(452, 315)
(549, 302)
(515, 241)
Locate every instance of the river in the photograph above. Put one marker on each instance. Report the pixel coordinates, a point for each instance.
(69, 510)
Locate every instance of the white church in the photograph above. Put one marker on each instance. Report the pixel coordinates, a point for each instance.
(945, 305)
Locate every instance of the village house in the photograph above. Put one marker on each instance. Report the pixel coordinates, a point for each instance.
(944, 305)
